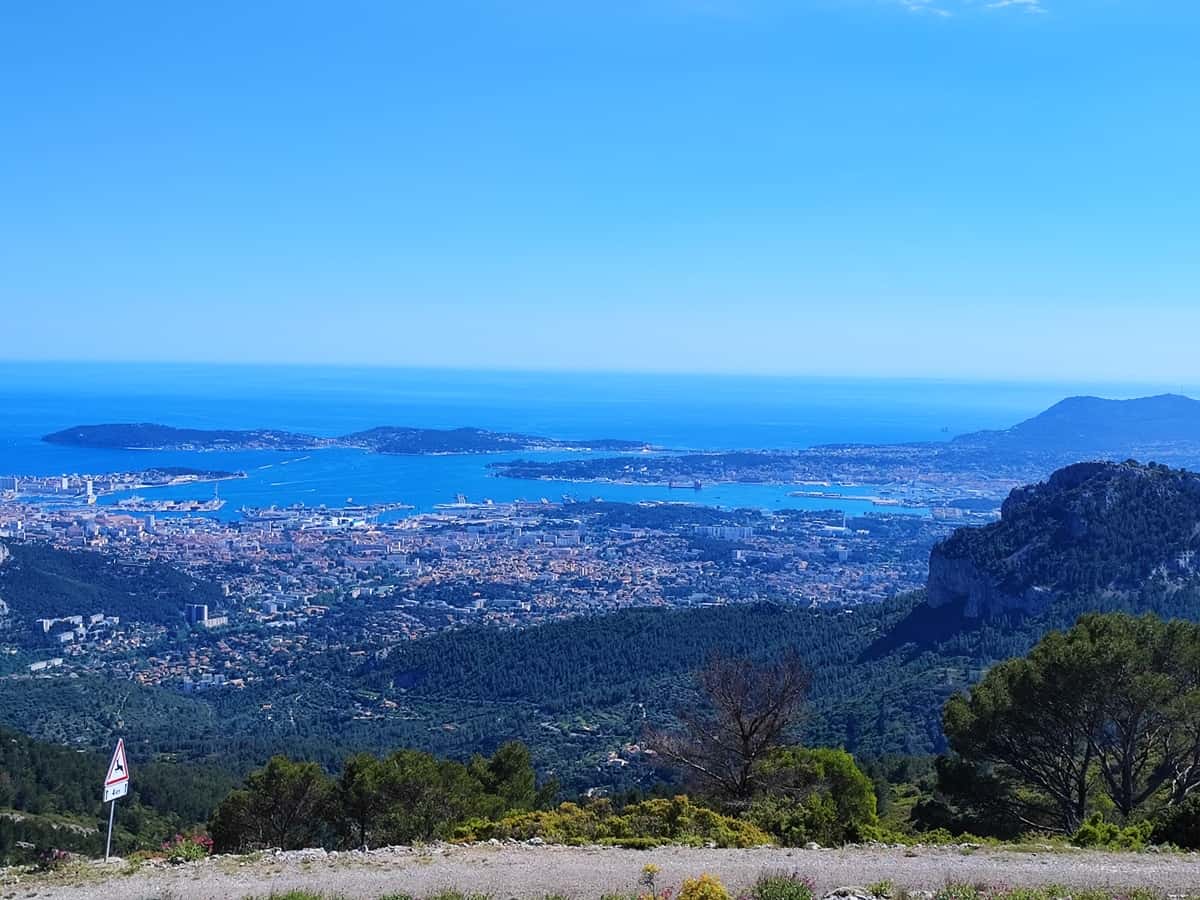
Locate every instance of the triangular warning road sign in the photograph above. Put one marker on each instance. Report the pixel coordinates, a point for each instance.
(118, 769)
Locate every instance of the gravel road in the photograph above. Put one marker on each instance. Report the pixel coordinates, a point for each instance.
(522, 871)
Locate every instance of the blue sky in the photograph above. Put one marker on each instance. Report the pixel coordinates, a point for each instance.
(957, 188)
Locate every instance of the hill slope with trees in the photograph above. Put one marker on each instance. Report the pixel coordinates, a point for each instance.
(575, 690)
(1091, 529)
(37, 581)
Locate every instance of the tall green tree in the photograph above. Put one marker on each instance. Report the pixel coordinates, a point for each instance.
(286, 804)
(361, 798)
(1031, 719)
(426, 796)
(509, 776)
(1144, 677)
(1112, 704)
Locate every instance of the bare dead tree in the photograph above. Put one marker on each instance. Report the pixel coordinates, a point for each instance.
(748, 710)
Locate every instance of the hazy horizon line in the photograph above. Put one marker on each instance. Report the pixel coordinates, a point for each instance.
(1174, 385)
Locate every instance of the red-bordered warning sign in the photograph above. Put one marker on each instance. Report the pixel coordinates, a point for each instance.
(118, 769)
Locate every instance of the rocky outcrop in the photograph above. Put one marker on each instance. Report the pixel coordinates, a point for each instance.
(960, 581)
(1090, 528)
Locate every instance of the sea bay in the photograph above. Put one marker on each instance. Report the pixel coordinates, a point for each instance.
(674, 411)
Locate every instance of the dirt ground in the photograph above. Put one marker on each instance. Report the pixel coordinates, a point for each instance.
(523, 871)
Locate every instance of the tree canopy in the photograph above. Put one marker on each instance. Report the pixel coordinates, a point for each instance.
(1110, 706)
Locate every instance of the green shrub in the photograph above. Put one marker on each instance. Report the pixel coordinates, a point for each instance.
(189, 848)
(779, 886)
(958, 891)
(815, 795)
(640, 825)
(1096, 832)
(1180, 825)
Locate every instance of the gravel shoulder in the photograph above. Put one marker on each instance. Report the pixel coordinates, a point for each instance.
(522, 871)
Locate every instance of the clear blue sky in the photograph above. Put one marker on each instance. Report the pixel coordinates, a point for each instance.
(918, 187)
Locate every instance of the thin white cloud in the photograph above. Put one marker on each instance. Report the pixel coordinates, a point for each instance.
(927, 7)
(947, 8)
(1030, 6)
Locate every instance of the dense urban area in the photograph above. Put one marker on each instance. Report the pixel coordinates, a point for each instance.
(287, 582)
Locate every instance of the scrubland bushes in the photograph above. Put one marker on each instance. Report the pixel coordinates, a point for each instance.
(411, 797)
(646, 824)
(814, 795)
(404, 798)
(1093, 737)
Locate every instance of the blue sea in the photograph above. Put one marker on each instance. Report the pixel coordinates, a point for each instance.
(677, 411)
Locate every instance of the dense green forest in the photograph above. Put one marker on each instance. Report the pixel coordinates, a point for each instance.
(1091, 736)
(572, 690)
(50, 797)
(1091, 527)
(41, 582)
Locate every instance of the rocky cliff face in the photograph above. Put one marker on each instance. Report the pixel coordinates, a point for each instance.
(1089, 528)
(957, 581)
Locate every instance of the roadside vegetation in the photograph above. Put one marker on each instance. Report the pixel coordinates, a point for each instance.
(1091, 740)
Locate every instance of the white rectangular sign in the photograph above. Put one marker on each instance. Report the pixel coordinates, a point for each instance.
(115, 791)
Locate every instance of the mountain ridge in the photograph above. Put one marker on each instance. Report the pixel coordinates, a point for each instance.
(1089, 424)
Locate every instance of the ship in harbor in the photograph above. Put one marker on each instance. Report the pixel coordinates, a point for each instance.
(142, 504)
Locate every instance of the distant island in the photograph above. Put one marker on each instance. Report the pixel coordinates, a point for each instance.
(185, 474)
(1165, 429)
(384, 439)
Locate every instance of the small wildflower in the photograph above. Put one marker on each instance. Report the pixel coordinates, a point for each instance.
(649, 872)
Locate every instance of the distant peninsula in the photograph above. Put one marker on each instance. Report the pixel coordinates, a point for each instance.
(1164, 429)
(1097, 425)
(384, 439)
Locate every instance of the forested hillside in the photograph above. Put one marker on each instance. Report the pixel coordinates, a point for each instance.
(1090, 531)
(50, 796)
(38, 581)
(579, 689)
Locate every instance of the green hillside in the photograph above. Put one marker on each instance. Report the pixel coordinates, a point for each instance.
(38, 581)
(50, 796)
(575, 690)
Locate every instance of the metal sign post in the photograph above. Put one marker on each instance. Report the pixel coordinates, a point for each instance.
(112, 811)
(116, 785)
